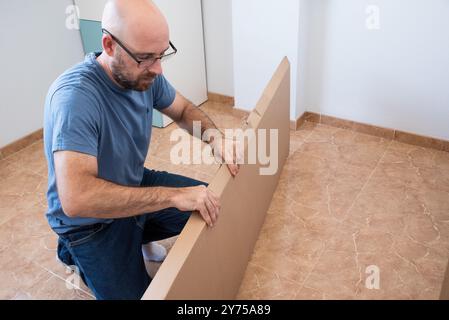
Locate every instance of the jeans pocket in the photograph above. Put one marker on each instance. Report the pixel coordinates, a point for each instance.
(140, 221)
(79, 237)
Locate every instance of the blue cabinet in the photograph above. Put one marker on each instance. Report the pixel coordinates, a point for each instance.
(91, 35)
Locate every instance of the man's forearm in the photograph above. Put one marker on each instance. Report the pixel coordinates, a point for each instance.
(104, 199)
(191, 114)
(214, 137)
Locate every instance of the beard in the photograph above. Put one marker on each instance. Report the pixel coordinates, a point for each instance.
(123, 77)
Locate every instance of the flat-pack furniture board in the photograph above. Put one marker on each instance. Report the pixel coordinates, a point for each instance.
(209, 263)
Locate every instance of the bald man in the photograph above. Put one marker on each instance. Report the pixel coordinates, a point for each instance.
(105, 206)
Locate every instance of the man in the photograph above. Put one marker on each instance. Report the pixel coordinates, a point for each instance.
(105, 206)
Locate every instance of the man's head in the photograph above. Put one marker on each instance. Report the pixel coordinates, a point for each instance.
(140, 27)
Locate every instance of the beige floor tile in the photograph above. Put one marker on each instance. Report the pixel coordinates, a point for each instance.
(298, 137)
(55, 288)
(32, 159)
(18, 276)
(345, 202)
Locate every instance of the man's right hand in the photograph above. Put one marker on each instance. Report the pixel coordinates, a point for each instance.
(200, 199)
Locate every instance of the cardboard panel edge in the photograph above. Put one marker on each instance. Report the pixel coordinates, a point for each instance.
(168, 271)
(161, 286)
(274, 83)
(166, 275)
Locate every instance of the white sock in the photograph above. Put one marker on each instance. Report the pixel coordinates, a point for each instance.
(154, 252)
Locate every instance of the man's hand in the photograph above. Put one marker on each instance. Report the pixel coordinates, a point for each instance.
(199, 199)
(229, 151)
(185, 113)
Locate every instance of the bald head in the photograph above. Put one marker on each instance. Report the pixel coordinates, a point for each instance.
(139, 23)
(140, 28)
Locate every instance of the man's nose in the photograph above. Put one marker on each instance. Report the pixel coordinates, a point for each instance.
(156, 67)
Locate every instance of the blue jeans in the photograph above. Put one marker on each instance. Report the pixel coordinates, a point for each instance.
(109, 256)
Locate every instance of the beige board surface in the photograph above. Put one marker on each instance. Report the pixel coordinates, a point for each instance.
(444, 295)
(209, 263)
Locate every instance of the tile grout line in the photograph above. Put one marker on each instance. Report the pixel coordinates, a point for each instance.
(353, 203)
(61, 278)
(306, 138)
(21, 150)
(303, 284)
(26, 169)
(369, 178)
(354, 235)
(301, 144)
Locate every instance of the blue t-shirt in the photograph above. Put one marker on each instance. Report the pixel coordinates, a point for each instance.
(85, 111)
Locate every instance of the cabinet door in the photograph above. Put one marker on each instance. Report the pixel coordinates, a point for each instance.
(187, 70)
(90, 12)
(90, 9)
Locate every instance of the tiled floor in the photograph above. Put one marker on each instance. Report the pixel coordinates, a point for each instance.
(345, 201)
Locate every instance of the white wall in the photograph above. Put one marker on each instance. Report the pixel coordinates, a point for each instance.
(36, 48)
(396, 77)
(187, 70)
(264, 31)
(310, 45)
(217, 22)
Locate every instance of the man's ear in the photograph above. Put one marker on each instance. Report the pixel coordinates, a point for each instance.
(108, 45)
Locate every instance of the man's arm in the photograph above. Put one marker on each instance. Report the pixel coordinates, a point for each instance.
(184, 112)
(83, 194)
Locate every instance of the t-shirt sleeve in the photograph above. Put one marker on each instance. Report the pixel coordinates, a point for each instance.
(163, 93)
(76, 122)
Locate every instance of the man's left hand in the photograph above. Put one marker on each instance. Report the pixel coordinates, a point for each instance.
(229, 151)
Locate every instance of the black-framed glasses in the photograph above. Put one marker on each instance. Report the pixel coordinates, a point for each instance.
(147, 62)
